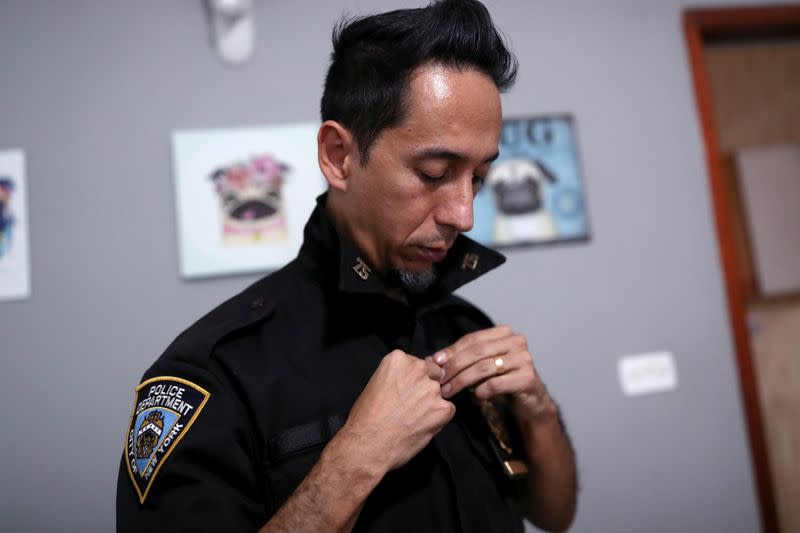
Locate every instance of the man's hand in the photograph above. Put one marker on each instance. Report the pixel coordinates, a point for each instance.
(550, 496)
(399, 411)
(396, 415)
(470, 362)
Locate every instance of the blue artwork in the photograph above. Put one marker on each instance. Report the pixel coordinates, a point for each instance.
(534, 191)
(6, 220)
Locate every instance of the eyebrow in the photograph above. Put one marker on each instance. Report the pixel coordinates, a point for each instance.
(444, 153)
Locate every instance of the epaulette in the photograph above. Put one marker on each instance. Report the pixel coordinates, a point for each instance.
(249, 307)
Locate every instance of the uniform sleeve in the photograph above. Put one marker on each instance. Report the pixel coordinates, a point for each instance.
(189, 462)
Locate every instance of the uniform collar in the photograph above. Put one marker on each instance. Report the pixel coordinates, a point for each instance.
(328, 249)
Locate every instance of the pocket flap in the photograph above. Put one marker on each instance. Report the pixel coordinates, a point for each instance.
(303, 437)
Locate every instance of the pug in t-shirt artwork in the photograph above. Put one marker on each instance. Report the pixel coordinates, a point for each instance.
(519, 186)
(251, 201)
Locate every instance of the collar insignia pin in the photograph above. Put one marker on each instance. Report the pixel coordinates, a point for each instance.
(470, 262)
(362, 269)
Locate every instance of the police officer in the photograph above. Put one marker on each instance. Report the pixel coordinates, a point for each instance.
(351, 390)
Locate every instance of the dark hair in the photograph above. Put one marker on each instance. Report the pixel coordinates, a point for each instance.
(373, 57)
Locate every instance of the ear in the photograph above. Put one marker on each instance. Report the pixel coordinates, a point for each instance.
(335, 151)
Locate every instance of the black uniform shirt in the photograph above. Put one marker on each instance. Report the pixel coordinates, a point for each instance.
(231, 418)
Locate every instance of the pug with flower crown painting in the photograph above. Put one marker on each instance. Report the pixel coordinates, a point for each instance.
(250, 200)
(243, 195)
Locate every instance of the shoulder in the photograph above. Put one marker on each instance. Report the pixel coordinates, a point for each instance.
(250, 308)
(187, 379)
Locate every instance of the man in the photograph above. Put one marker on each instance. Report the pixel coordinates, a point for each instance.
(348, 391)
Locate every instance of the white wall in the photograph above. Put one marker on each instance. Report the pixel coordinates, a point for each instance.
(92, 89)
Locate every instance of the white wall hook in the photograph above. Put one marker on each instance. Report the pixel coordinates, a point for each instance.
(233, 29)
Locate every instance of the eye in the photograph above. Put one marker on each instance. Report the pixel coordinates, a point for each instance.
(430, 179)
(477, 183)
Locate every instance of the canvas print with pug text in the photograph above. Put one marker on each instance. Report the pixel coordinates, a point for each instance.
(533, 193)
(15, 274)
(243, 196)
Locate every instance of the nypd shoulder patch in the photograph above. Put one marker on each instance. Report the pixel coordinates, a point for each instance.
(164, 409)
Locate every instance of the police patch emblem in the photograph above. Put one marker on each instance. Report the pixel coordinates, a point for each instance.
(163, 411)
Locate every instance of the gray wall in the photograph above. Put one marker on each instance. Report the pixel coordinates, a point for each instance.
(92, 89)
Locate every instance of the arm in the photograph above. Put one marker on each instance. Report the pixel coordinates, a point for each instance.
(550, 490)
(331, 496)
(397, 414)
(201, 489)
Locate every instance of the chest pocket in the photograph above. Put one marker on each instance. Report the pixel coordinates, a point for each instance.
(293, 452)
(444, 324)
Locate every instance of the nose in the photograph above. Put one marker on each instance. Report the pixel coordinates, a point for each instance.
(455, 206)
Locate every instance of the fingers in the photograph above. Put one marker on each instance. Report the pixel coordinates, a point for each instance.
(414, 366)
(434, 370)
(509, 383)
(516, 365)
(481, 336)
(456, 360)
(471, 362)
(400, 409)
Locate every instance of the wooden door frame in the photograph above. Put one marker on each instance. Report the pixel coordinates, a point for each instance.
(699, 25)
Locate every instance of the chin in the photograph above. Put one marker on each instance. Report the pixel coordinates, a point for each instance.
(415, 266)
(418, 268)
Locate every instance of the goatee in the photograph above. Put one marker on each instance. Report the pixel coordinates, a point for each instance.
(415, 282)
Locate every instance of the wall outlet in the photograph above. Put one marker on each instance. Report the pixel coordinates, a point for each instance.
(647, 373)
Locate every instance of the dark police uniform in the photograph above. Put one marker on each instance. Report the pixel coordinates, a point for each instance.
(234, 414)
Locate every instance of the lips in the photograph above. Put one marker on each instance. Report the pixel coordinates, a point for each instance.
(432, 254)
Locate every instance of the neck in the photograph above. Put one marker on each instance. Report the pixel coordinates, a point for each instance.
(341, 215)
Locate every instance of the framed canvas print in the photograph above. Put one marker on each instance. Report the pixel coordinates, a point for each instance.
(243, 196)
(533, 193)
(15, 275)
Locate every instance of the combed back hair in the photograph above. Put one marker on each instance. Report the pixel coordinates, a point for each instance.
(367, 84)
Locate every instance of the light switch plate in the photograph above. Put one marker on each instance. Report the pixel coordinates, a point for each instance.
(647, 373)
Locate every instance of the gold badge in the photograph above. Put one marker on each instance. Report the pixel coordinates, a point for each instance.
(470, 262)
(362, 269)
(496, 425)
(511, 459)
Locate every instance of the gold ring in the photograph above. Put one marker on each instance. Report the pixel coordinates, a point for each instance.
(499, 365)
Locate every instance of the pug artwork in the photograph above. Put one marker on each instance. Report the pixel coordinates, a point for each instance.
(250, 200)
(243, 195)
(518, 186)
(533, 193)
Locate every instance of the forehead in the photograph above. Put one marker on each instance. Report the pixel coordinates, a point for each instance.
(451, 108)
